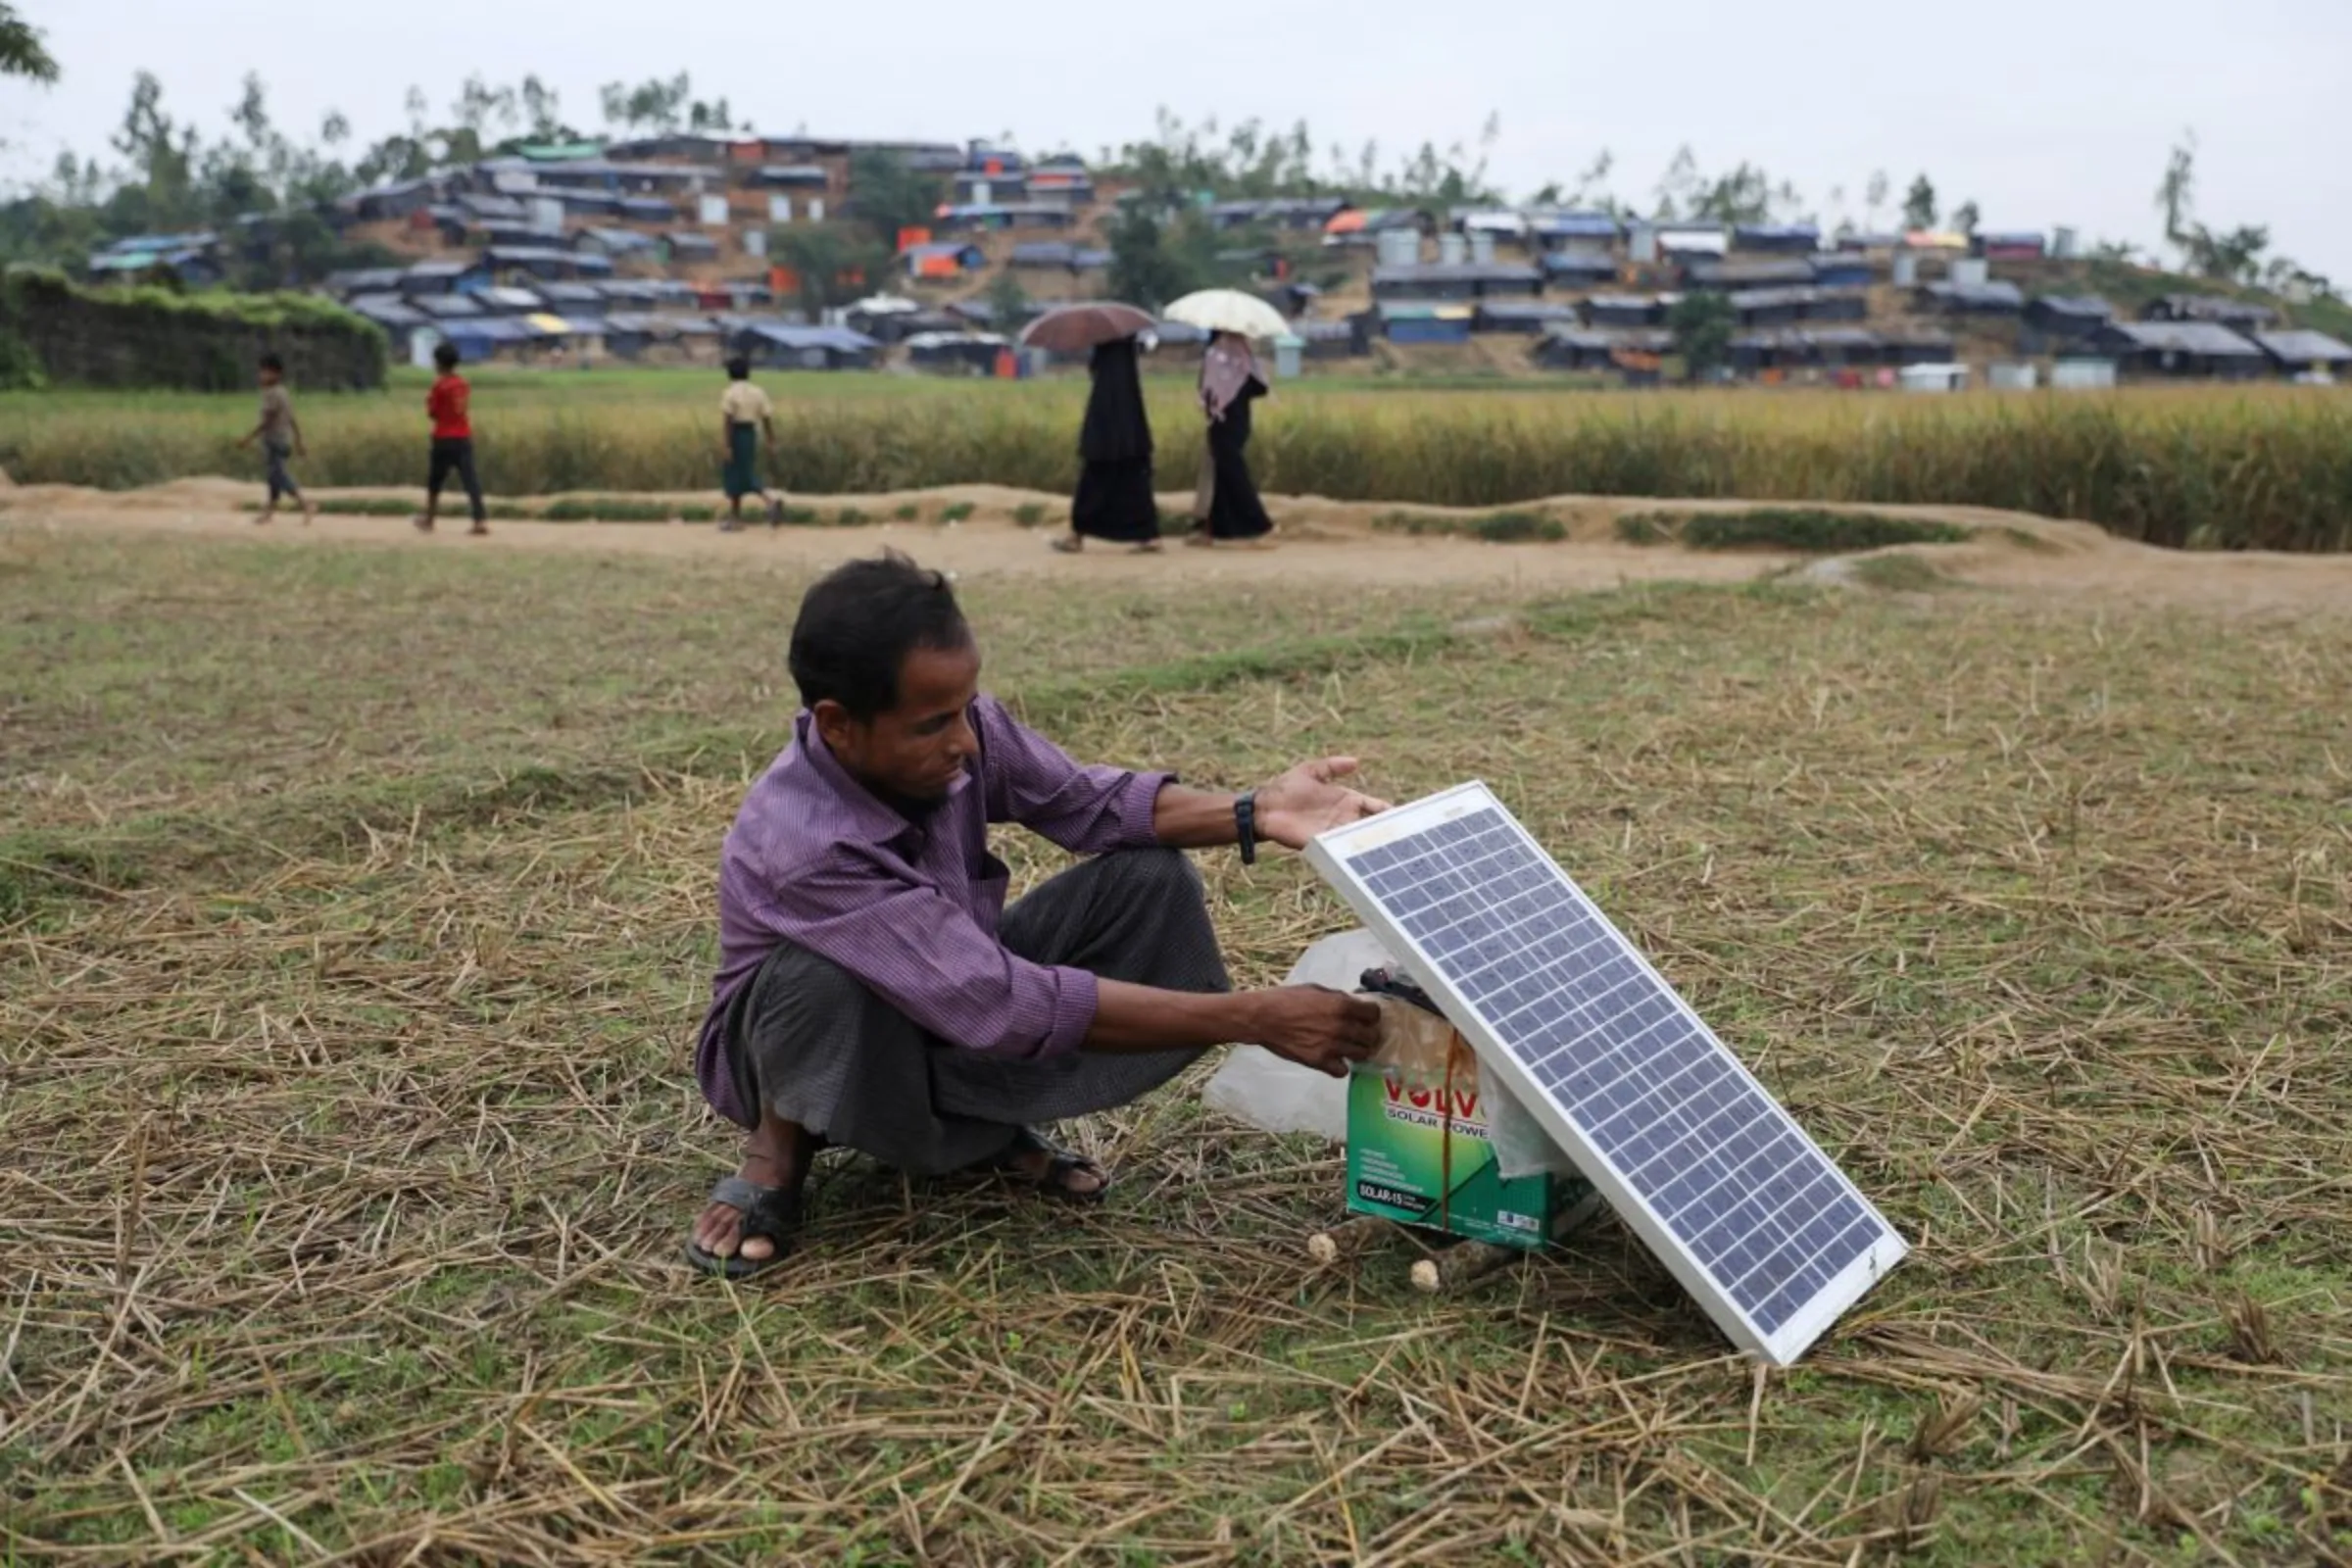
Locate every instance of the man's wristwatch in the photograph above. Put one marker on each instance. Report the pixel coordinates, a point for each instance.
(1244, 821)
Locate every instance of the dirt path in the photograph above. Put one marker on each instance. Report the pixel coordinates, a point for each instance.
(1332, 540)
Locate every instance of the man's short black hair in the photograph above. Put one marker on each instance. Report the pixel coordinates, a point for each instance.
(739, 369)
(273, 364)
(857, 625)
(446, 357)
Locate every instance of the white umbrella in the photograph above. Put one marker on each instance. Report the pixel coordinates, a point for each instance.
(1228, 310)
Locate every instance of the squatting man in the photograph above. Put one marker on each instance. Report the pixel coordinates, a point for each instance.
(873, 991)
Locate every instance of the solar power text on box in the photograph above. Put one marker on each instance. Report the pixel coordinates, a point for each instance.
(1706, 1167)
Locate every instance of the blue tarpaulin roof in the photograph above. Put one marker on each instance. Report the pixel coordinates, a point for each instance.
(837, 339)
(1572, 226)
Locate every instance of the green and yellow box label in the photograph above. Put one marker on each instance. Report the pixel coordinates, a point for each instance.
(1420, 1153)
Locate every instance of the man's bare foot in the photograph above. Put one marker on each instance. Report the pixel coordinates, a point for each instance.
(479, 530)
(425, 524)
(775, 1154)
(310, 509)
(1053, 1171)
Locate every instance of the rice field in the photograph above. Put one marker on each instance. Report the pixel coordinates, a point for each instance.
(356, 916)
(2259, 467)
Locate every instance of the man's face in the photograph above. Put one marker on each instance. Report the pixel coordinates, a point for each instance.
(919, 748)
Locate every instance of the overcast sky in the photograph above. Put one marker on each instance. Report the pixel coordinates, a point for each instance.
(2045, 112)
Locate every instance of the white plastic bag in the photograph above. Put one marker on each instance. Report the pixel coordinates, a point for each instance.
(1275, 1095)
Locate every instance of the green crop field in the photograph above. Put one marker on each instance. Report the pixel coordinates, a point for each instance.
(2264, 467)
(355, 916)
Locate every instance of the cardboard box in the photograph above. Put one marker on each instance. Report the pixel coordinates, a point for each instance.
(1418, 1153)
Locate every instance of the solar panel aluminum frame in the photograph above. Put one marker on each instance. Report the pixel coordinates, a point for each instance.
(1331, 855)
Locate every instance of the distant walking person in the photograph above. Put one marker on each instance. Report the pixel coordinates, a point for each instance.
(1114, 499)
(280, 436)
(450, 405)
(1230, 512)
(744, 416)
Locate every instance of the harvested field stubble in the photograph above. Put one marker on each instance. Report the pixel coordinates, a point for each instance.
(347, 1168)
(2264, 467)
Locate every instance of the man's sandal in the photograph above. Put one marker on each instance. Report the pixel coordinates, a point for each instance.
(1061, 1165)
(772, 1213)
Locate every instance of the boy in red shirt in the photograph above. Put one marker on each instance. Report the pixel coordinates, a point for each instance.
(453, 441)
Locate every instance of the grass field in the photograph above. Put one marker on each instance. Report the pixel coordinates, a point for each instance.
(355, 918)
(2265, 466)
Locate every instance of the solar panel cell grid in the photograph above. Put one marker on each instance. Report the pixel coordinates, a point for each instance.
(1723, 1168)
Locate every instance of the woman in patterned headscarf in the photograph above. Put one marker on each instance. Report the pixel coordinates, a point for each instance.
(1229, 511)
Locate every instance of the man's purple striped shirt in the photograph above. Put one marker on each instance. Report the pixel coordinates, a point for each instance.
(911, 909)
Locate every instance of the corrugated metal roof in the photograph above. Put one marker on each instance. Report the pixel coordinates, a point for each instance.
(1995, 295)
(1751, 274)
(838, 340)
(1455, 273)
(2215, 308)
(2087, 307)
(387, 310)
(1573, 225)
(2303, 347)
(2208, 338)
(1640, 339)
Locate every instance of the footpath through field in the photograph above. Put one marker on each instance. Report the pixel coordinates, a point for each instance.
(1333, 541)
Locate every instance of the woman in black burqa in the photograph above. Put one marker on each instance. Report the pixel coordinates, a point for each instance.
(1229, 511)
(1114, 500)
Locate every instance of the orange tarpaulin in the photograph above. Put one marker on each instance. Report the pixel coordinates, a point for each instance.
(910, 238)
(1350, 221)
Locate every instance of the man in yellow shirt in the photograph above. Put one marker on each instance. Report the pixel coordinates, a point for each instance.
(745, 415)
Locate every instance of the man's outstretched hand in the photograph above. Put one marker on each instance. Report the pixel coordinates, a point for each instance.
(1311, 798)
(1314, 1027)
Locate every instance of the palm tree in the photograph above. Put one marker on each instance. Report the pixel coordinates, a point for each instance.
(20, 50)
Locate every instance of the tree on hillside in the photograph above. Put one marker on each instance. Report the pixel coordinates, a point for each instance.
(1919, 206)
(1701, 322)
(1009, 300)
(1745, 195)
(655, 105)
(887, 196)
(1874, 196)
(834, 263)
(1966, 218)
(2229, 256)
(1151, 264)
(163, 157)
(2177, 191)
(1250, 160)
(23, 51)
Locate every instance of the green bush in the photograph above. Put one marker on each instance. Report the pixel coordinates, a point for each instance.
(1805, 528)
(57, 332)
(1029, 513)
(1496, 528)
(955, 510)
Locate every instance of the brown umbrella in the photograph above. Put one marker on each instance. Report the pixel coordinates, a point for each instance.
(1075, 328)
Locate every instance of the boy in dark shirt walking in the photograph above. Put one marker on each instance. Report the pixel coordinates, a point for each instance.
(280, 437)
(449, 404)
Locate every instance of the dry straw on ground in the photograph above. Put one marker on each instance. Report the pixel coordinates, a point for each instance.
(360, 918)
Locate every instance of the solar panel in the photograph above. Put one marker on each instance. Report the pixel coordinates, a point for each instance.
(1714, 1176)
